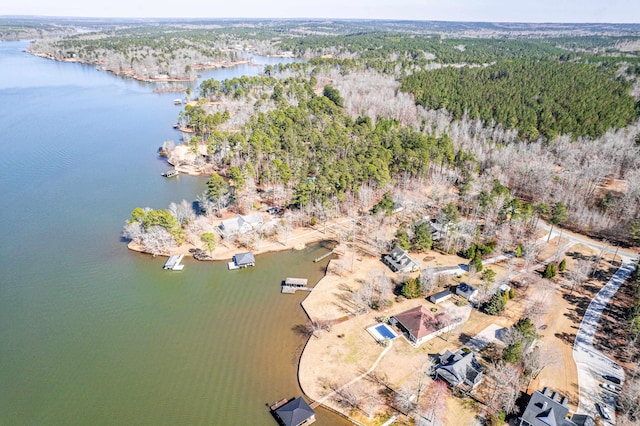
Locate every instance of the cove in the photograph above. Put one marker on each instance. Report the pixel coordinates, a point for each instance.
(91, 333)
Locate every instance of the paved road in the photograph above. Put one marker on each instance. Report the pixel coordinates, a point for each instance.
(591, 363)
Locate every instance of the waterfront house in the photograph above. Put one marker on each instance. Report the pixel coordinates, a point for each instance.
(419, 325)
(400, 261)
(440, 297)
(295, 413)
(460, 369)
(241, 224)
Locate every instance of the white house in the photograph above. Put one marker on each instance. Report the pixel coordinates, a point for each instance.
(240, 225)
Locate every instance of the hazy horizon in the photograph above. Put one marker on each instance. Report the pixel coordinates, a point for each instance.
(493, 11)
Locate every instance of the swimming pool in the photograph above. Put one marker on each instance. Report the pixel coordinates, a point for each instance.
(381, 332)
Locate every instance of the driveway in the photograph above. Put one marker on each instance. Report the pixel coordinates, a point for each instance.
(590, 362)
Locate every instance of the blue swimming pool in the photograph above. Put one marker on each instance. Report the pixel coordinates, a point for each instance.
(386, 332)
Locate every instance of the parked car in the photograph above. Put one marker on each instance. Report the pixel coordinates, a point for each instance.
(609, 387)
(604, 411)
(612, 379)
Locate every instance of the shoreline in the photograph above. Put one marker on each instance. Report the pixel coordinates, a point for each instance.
(131, 74)
(299, 240)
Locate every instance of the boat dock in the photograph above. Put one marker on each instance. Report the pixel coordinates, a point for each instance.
(278, 404)
(173, 262)
(171, 173)
(242, 260)
(318, 259)
(291, 285)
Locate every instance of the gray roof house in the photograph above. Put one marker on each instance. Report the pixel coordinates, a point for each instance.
(400, 261)
(440, 297)
(467, 291)
(240, 224)
(460, 369)
(296, 413)
(548, 408)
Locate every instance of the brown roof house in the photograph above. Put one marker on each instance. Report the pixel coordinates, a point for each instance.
(420, 325)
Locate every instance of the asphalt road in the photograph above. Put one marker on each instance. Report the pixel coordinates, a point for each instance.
(592, 364)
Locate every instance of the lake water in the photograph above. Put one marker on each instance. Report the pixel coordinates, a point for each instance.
(91, 333)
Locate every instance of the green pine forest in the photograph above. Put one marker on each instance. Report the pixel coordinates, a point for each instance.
(537, 98)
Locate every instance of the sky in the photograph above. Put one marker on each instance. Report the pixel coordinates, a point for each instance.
(612, 11)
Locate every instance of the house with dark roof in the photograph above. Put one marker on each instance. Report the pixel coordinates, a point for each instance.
(460, 369)
(400, 261)
(295, 413)
(420, 325)
(242, 260)
(549, 408)
(467, 291)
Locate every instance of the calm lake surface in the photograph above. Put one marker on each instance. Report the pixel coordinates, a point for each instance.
(91, 333)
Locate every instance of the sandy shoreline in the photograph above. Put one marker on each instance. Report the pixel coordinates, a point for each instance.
(134, 76)
(297, 240)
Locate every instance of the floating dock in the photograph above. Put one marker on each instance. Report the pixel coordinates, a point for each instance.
(291, 285)
(173, 263)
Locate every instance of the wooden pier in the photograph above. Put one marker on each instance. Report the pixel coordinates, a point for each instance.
(279, 404)
(291, 285)
(318, 259)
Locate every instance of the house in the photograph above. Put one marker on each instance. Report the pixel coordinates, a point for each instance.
(440, 297)
(400, 261)
(467, 291)
(295, 413)
(240, 224)
(438, 229)
(548, 408)
(420, 325)
(460, 369)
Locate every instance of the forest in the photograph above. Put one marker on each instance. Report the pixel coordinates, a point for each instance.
(537, 98)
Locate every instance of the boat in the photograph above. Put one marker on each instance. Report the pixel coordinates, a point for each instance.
(170, 173)
(177, 101)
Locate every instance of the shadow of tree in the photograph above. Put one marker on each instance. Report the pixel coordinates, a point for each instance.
(566, 337)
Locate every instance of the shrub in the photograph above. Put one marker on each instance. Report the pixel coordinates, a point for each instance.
(563, 265)
(550, 270)
(513, 353)
(518, 251)
(496, 419)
